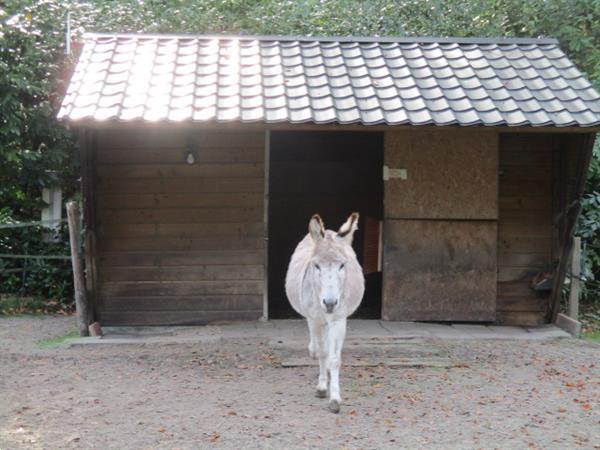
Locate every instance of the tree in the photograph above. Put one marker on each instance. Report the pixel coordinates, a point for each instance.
(35, 150)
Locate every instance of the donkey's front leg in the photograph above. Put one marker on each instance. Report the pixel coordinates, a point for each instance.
(320, 341)
(312, 343)
(335, 340)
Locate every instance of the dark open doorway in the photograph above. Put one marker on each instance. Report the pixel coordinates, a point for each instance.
(333, 174)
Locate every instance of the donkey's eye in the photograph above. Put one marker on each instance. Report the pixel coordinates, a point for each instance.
(341, 266)
(318, 267)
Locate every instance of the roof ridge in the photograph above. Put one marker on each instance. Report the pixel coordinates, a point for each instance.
(369, 39)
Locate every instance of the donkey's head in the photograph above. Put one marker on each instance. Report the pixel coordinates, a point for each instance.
(330, 259)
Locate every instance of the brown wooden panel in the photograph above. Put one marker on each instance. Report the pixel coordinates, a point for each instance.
(526, 157)
(182, 258)
(182, 273)
(180, 170)
(180, 200)
(525, 217)
(544, 230)
(523, 259)
(183, 288)
(533, 304)
(188, 215)
(510, 273)
(177, 155)
(526, 201)
(177, 185)
(521, 187)
(511, 174)
(515, 289)
(233, 229)
(175, 317)
(439, 270)
(524, 244)
(452, 174)
(198, 303)
(520, 318)
(180, 243)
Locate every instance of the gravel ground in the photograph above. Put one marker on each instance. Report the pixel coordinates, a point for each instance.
(503, 394)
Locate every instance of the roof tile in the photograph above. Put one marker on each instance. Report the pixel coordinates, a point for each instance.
(269, 79)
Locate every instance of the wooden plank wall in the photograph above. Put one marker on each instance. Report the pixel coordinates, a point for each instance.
(526, 236)
(180, 243)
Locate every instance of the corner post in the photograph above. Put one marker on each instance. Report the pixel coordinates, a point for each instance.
(87, 145)
(81, 299)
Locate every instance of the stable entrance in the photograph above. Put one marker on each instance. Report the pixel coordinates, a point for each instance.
(332, 174)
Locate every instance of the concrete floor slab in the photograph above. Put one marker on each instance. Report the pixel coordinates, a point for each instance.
(285, 331)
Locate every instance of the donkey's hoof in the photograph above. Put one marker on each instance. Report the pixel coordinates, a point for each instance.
(334, 406)
(321, 393)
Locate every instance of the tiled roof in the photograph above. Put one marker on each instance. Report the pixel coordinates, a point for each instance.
(329, 80)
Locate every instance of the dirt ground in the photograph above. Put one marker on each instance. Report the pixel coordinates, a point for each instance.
(502, 394)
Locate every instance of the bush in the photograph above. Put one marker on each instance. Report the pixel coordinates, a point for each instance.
(49, 279)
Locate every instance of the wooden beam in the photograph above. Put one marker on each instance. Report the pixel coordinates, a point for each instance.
(81, 300)
(87, 145)
(571, 214)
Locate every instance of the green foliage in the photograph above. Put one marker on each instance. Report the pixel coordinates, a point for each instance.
(50, 279)
(35, 151)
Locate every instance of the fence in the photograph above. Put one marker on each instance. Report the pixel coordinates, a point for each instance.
(26, 258)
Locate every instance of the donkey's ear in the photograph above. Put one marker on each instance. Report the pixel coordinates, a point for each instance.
(346, 231)
(316, 228)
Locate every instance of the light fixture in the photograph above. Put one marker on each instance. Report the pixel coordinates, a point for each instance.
(190, 159)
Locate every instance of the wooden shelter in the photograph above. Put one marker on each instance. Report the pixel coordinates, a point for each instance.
(203, 158)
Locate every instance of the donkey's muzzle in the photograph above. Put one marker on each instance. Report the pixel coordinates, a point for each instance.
(329, 305)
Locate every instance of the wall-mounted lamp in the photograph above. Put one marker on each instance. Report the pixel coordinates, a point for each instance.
(190, 157)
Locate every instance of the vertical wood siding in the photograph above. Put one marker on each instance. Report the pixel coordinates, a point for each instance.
(526, 236)
(180, 243)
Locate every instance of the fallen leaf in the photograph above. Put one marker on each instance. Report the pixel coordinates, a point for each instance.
(586, 406)
(214, 437)
(231, 413)
(162, 429)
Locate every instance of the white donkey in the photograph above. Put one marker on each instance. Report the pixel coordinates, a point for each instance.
(325, 284)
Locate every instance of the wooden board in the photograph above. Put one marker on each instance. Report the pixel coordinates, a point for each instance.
(183, 273)
(439, 270)
(180, 185)
(177, 317)
(183, 303)
(451, 174)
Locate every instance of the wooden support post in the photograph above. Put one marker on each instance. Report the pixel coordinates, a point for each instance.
(81, 303)
(573, 310)
(87, 145)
